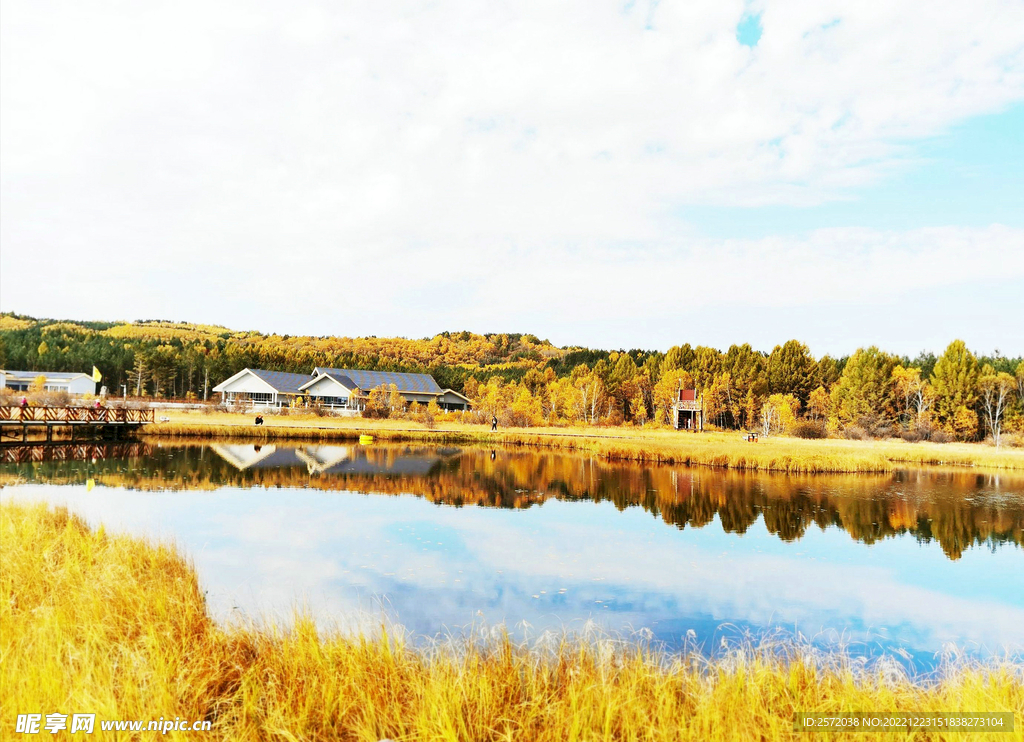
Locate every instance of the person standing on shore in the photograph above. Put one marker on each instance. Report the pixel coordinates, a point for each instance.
(494, 422)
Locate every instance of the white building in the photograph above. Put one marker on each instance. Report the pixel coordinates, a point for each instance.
(259, 388)
(337, 388)
(347, 388)
(55, 381)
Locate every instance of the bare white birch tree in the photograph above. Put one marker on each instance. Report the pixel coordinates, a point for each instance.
(996, 391)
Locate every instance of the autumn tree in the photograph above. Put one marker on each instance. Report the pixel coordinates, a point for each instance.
(747, 369)
(907, 388)
(524, 411)
(678, 358)
(396, 402)
(377, 403)
(621, 381)
(997, 389)
(638, 408)
(955, 380)
(826, 372)
(707, 363)
(819, 405)
(778, 413)
(561, 399)
(791, 370)
(864, 391)
(719, 405)
(590, 392)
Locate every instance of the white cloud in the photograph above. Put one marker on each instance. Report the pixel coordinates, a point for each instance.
(540, 149)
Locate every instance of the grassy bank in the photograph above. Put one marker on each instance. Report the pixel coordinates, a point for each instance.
(116, 626)
(623, 443)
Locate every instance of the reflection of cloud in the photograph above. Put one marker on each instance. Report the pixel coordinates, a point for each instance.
(339, 553)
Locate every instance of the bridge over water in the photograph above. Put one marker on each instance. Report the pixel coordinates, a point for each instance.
(21, 425)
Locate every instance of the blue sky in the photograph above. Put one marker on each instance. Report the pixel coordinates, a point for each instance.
(843, 173)
(971, 175)
(748, 30)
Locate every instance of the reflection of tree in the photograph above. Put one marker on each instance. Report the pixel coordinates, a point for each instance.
(959, 509)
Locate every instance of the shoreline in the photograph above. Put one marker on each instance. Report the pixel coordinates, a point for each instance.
(644, 445)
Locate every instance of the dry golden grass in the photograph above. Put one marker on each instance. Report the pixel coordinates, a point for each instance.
(616, 443)
(116, 626)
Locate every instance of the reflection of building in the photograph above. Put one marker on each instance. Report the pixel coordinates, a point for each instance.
(244, 456)
(371, 461)
(688, 410)
(54, 381)
(321, 458)
(328, 460)
(337, 388)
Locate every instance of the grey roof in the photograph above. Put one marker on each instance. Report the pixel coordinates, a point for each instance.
(52, 375)
(367, 380)
(283, 382)
(343, 380)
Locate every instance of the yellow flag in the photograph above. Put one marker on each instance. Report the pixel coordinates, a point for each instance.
(96, 375)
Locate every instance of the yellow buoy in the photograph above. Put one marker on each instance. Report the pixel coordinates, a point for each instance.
(365, 440)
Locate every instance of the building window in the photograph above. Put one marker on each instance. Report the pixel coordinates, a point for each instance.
(255, 397)
(333, 401)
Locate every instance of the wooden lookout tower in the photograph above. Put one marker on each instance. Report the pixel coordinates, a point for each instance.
(688, 410)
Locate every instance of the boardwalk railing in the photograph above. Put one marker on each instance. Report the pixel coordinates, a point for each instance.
(72, 452)
(76, 414)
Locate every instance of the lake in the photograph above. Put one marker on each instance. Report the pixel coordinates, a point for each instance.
(444, 539)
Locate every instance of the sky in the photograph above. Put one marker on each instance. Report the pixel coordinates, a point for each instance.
(614, 175)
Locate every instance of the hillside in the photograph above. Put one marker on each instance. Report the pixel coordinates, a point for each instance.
(178, 357)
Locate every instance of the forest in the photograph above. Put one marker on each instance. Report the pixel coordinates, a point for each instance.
(526, 381)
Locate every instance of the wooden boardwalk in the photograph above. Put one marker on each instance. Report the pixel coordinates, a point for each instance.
(69, 423)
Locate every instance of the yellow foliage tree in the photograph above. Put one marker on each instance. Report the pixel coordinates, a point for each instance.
(779, 413)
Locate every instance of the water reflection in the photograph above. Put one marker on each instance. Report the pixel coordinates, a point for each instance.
(902, 562)
(957, 508)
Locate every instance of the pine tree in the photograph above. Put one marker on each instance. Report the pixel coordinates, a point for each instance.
(791, 370)
(865, 390)
(955, 381)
